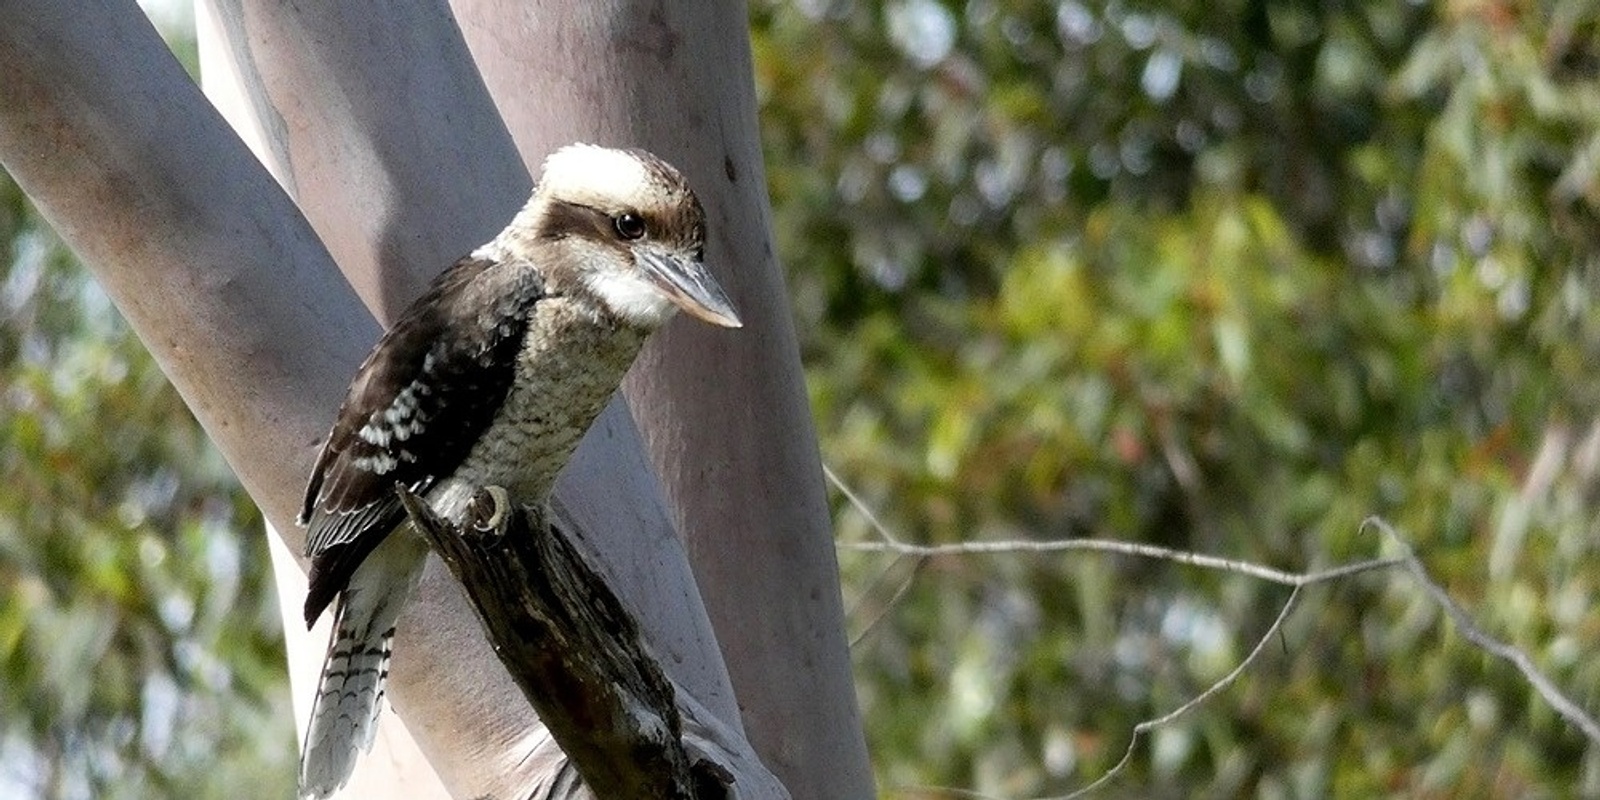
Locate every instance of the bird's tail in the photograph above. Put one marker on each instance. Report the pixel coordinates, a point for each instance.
(344, 716)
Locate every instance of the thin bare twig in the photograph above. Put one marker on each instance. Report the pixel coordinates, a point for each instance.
(894, 544)
(894, 599)
(1547, 689)
(1254, 570)
(1216, 688)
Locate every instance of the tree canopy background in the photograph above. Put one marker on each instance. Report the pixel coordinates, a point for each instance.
(1228, 277)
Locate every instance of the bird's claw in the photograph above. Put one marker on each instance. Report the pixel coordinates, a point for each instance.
(488, 513)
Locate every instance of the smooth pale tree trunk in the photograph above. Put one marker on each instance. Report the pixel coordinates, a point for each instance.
(379, 127)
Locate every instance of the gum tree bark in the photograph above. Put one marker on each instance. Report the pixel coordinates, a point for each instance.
(382, 132)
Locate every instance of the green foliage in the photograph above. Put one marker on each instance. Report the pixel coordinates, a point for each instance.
(141, 654)
(1227, 277)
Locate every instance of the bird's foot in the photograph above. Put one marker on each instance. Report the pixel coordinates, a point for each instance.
(488, 514)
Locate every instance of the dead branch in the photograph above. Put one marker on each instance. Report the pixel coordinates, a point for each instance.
(573, 648)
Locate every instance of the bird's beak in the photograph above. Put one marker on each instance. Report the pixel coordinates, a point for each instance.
(690, 287)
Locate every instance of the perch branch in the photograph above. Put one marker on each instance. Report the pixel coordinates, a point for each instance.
(572, 647)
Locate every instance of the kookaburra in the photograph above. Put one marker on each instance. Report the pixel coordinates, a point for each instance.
(489, 379)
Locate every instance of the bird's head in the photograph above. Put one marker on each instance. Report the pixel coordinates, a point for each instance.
(624, 226)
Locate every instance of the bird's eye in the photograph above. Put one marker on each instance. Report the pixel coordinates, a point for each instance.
(629, 225)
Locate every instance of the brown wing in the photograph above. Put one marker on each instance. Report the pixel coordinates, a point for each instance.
(429, 389)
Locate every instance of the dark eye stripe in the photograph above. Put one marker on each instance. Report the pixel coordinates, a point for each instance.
(571, 219)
